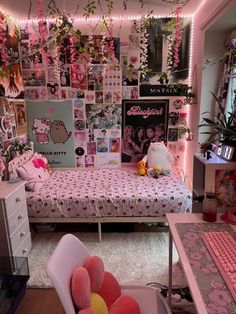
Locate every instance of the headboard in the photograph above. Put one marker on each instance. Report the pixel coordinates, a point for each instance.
(17, 162)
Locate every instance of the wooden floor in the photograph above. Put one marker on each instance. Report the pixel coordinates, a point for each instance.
(40, 301)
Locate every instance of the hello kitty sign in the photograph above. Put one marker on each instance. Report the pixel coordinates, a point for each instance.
(50, 129)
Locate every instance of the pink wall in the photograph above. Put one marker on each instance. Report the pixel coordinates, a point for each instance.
(207, 14)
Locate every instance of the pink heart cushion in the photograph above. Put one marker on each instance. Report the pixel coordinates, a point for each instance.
(124, 305)
(110, 289)
(95, 268)
(80, 287)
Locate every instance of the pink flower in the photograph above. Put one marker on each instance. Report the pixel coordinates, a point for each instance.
(195, 264)
(187, 243)
(192, 236)
(133, 60)
(210, 268)
(215, 309)
(220, 297)
(196, 256)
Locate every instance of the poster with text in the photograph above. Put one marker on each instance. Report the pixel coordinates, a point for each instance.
(50, 128)
(144, 121)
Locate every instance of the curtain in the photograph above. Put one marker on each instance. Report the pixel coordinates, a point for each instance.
(228, 81)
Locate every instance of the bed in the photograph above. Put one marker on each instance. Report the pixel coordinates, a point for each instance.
(104, 195)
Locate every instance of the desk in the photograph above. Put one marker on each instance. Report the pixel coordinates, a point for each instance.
(209, 292)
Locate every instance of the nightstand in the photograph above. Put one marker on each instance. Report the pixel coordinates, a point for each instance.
(14, 223)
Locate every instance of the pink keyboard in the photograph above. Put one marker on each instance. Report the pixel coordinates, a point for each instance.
(222, 248)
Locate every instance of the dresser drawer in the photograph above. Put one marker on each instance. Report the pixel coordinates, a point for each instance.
(18, 237)
(15, 200)
(24, 248)
(16, 218)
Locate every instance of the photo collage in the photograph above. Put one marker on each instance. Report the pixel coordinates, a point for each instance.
(96, 92)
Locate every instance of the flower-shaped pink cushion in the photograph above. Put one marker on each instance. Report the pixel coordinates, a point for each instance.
(97, 291)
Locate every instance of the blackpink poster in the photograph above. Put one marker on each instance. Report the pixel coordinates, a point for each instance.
(144, 121)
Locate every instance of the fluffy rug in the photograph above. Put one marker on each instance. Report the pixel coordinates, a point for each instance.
(134, 258)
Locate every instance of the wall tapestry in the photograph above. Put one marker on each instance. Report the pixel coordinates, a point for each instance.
(50, 128)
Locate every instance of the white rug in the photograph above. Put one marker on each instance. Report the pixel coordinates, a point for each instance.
(134, 258)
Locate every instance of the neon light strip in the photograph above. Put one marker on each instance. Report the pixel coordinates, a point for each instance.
(188, 110)
(98, 18)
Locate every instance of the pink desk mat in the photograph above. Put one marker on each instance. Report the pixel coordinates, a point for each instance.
(215, 294)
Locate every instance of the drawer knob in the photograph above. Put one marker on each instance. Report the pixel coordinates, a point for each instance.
(22, 234)
(20, 217)
(24, 251)
(17, 199)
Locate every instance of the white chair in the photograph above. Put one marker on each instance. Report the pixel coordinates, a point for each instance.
(70, 253)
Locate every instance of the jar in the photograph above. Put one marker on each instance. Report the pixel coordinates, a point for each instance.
(209, 210)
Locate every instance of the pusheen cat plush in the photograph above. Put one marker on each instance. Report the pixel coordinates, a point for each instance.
(158, 155)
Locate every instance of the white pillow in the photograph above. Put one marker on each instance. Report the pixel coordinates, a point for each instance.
(35, 177)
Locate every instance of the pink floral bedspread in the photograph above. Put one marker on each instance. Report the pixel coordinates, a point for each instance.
(108, 192)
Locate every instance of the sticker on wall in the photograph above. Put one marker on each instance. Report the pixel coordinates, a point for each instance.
(53, 91)
(107, 97)
(31, 78)
(78, 76)
(36, 93)
(98, 97)
(103, 117)
(65, 76)
(111, 160)
(89, 161)
(80, 162)
(91, 148)
(102, 145)
(79, 125)
(114, 145)
(173, 135)
(79, 151)
(173, 118)
(21, 118)
(80, 137)
(90, 97)
(79, 113)
(24, 51)
(90, 135)
(178, 104)
(95, 77)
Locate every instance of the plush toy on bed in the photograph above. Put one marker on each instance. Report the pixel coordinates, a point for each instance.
(142, 169)
(158, 160)
(95, 291)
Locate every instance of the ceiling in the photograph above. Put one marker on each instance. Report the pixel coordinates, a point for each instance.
(159, 7)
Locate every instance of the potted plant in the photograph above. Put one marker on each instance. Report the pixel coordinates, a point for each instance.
(222, 126)
(188, 94)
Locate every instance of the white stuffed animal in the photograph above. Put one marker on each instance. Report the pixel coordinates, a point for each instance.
(159, 155)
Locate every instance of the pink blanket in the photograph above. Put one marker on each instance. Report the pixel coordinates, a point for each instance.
(108, 192)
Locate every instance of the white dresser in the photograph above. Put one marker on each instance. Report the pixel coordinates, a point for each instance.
(15, 237)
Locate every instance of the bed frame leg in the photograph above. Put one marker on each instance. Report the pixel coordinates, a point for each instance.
(100, 231)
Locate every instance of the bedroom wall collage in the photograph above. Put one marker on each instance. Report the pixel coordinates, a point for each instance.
(76, 115)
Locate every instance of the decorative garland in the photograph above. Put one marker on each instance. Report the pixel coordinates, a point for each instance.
(3, 50)
(143, 48)
(177, 37)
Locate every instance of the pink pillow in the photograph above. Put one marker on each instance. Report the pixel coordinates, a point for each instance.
(80, 287)
(95, 268)
(35, 177)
